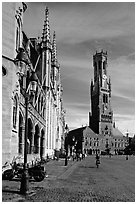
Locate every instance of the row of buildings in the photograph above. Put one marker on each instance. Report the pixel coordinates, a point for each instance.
(23, 56)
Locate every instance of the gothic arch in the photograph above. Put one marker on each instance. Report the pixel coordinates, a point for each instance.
(39, 103)
(15, 110)
(32, 120)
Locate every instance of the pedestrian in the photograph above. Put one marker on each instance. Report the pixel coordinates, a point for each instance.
(77, 155)
(83, 155)
(80, 156)
(74, 156)
(97, 157)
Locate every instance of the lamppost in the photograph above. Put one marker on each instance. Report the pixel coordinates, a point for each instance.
(29, 87)
(73, 144)
(66, 144)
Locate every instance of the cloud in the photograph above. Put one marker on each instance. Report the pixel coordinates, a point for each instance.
(96, 22)
(76, 119)
(122, 72)
(125, 123)
(121, 106)
(74, 22)
(81, 29)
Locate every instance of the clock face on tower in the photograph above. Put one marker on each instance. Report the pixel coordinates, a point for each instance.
(104, 77)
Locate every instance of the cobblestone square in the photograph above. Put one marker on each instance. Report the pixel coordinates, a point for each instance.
(113, 181)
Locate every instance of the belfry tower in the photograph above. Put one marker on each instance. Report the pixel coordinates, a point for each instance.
(101, 115)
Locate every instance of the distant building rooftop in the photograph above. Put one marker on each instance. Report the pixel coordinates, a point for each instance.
(116, 132)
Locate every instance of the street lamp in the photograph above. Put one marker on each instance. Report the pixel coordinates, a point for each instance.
(66, 144)
(22, 62)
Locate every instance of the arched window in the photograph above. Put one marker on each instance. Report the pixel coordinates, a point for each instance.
(105, 98)
(35, 98)
(39, 103)
(4, 71)
(44, 111)
(19, 22)
(15, 104)
(104, 67)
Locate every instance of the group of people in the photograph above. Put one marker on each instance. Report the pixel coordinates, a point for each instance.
(78, 156)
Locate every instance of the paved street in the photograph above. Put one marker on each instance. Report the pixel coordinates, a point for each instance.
(80, 181)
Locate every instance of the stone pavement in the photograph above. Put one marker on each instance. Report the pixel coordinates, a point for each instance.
(54, 169)
(80, 182)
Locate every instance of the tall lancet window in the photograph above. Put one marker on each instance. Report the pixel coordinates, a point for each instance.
(19, 18)
(15, 106)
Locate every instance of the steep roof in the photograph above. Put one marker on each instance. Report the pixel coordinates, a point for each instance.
(116, 132)
(88, 132)
(77, 131)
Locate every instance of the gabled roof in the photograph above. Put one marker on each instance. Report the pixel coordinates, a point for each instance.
(77, 131)
(116, 132)
(87, 131)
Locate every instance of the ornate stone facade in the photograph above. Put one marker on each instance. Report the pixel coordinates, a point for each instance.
(45, 111)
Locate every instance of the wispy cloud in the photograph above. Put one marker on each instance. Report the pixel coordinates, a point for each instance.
(81, 29)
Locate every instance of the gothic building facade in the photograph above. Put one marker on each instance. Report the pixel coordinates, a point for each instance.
(46, 119)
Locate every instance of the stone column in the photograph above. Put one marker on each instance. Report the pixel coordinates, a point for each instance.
(32, 142)
(38, 144)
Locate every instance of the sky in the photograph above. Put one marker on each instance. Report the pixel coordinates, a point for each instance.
(81, 29)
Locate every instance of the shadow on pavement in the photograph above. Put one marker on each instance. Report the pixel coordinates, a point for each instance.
(10, 191)
(19, 180)
(89, 167)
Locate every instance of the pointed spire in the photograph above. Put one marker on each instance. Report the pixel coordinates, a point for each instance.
(46, 27)
(54, 50)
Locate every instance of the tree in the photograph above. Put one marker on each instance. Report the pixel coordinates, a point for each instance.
(130, 148)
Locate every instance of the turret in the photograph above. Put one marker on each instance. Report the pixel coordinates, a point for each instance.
(55, 64)
(46, 39)
(54, 50)
(46, 47)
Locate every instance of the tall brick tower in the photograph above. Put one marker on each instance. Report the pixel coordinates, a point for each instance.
(101, 115)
